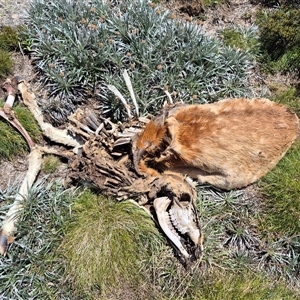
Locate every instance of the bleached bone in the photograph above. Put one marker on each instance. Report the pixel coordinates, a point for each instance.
(130, 89)
(80, 125)
(15, 123)
(8, 114)
(60, 136)
(119, 95)
(34, 158)
(169, 97)
(161, 204)
(12, 216)
(117, 178)
(112, 125)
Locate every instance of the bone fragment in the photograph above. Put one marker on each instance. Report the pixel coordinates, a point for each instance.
(79, 124)
(57, 135)
(8, 114)
(119, 95)
(129, 86)
(15, 123)
(12, 216)
(169, 97)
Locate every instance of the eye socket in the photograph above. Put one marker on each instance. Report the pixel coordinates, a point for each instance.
(185, 197)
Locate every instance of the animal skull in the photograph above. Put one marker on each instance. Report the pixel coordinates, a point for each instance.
(176, 214)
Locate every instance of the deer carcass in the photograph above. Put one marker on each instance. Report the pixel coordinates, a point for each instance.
(228, 144)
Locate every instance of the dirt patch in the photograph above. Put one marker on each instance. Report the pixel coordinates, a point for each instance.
(216, 18)
(12, 172)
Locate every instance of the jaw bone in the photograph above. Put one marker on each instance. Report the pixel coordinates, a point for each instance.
(177, 216)
(160, 205)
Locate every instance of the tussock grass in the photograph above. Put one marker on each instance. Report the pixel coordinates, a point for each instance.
(6, 63)
(85, 246)
(9, 37)
(11, 142)
(106, 243)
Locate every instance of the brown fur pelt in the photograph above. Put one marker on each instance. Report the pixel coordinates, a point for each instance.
(228, 144)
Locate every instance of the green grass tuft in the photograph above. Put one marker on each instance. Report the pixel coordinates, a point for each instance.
(8, 42)
(12, 142)
(6, 63)
(281, 186)
(9, 37)
(288, 96)
(50, 164)
(106, 243)
(281, 190)
(244, 285)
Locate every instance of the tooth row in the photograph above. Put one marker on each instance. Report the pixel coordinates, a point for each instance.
(174, 221)
(170, 225)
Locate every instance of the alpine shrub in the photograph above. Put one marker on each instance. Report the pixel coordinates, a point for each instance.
(280, 39)
(82, 46)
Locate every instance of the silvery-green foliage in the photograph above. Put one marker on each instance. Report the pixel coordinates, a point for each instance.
(30, 269)
(81, 46)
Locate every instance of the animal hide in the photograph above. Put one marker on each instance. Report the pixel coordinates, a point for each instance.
(228, 144)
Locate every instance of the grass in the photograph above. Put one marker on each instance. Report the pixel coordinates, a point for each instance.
(50, 164)
(281, 186)
(287, 96)
(106, 244)
(31, 270)
(11, 142)
(79, 245)
(244, 285)
(9, 37)
(8, 42)
(85, 246)
(281, 190)
(6, 63)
